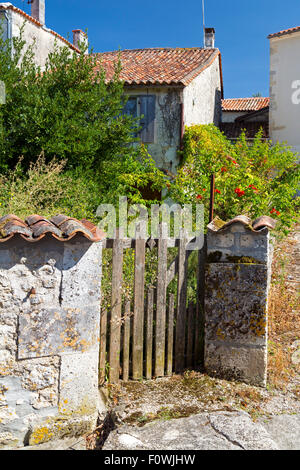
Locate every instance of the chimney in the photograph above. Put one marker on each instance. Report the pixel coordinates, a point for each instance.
(209, 42)
(80, 37)
(38, 10)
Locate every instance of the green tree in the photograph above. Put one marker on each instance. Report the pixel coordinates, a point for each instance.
(68, 112)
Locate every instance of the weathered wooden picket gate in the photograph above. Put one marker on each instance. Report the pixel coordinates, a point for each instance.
(156, 333)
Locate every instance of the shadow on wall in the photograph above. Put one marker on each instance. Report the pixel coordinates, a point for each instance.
(218, 108)
(34, 256)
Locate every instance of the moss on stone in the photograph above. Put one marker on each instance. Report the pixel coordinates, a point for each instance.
(242, 260)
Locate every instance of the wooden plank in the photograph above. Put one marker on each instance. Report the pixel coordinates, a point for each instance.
(170, 335)
(160, 330)
(181, 305)
(199, 327)
(138, 318)
(126, 341)
(150, 242)
(173, 268)
(116, 307)
(102, 357)
(149, 333)
(190, 335)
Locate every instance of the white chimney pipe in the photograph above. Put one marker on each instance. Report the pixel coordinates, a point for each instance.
(209, 42)
(38, 10)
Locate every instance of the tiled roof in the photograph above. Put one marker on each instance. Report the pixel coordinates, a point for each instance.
(284, 32)
(245, 104)
(35, 227)
(233, 130)
(163, 66)
(255, 226)
(9, 6)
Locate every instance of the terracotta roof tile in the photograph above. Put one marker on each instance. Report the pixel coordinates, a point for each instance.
(284, 32)
(257, 225)
(163, 66)
(245, 104)
(35, 227)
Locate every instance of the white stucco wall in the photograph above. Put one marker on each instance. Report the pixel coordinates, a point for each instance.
(202, 97)
(42, 38)
(284, 72)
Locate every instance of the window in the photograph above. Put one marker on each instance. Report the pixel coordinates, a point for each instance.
(143, 107)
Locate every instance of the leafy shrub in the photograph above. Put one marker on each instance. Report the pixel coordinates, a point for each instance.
(257, 179)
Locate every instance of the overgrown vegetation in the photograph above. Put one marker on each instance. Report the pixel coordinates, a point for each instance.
(284, 320)
(257, 179)
(65, 123)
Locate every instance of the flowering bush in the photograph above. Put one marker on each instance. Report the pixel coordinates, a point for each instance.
(254, 180)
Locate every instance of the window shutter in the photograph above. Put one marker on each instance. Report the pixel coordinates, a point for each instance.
(147, 110)
(131, 107)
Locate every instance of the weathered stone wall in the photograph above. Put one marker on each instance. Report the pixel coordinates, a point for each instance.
(237, 282)
(49, 339)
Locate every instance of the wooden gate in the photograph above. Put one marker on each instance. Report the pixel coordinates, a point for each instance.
(157, 332)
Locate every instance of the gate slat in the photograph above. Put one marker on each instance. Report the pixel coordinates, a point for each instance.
(199, 328)
(126, 341)
(181, 304)
(102, 358)
(160, 330)
(190, 335)
(138, 319)
(116, 311)
(149, 334)
(170, 335)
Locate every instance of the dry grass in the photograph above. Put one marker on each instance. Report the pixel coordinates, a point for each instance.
(284, 314)
(40, 192)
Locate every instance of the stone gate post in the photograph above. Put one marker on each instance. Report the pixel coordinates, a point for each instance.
(50, 278)
(238, 273)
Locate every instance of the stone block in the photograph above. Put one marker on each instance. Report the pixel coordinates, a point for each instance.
(237, 280)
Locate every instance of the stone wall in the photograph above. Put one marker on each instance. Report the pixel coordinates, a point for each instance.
(49, 339)
(237, 282)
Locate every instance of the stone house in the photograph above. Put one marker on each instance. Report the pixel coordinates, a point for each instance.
(248, 114)
(285, 87)
(35, 30)
(170, 88)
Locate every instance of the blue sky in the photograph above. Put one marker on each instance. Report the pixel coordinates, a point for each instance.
(241, 30)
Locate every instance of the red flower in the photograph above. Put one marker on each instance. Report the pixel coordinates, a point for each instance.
(223, 169)
(274, 211)
(217, 191)
(199, 197)
(239, 192)
(253, 187)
